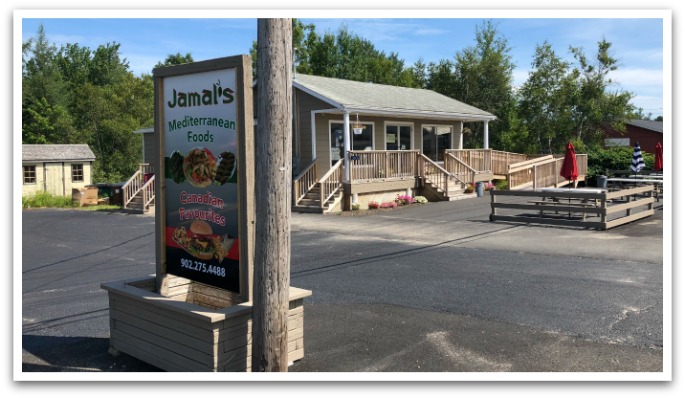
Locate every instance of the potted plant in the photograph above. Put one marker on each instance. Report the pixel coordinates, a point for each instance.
(357, 127)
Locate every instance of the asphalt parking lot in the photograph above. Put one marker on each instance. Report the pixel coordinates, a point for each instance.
(433, 288)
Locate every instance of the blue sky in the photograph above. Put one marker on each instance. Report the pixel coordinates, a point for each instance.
(637, 37)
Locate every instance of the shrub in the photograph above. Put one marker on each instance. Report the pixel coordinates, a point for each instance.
(388, 205)
(420, 200)
(45, 199)
(373, 205)
(488, 186)
(355, 206)
(470, 188)
(402, 200)
(501, 185)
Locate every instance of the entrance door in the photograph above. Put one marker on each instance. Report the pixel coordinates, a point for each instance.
(435, 140)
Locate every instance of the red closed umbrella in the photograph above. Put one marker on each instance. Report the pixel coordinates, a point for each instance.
(659, 157)
(569, 169)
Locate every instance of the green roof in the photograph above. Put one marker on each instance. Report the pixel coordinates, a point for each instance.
(360, 97)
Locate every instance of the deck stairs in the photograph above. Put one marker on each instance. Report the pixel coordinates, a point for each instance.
(311, 203)
(139, 191)
(137, 204)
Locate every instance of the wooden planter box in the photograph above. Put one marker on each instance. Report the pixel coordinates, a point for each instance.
(197, 329)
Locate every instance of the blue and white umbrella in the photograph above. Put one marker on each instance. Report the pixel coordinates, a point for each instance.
(638, 163)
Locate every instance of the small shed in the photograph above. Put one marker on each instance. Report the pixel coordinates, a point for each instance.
(56, 169)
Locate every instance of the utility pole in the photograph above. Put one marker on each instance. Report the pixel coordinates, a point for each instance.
(273, 192)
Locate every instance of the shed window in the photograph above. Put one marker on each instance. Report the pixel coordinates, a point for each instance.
(77, 172)
(29, 174)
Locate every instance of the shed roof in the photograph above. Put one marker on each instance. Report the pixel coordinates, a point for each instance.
(648, 124)
(56, 153)
(353, 96)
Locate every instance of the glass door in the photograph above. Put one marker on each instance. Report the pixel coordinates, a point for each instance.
(435, 140)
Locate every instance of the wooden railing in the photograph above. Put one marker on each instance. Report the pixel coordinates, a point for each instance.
(304, 182)
(487, 160)
(331, 182)
(586, 208)
(433, 173)
(460, 170)
(477, 159)
(148, 190)
(542, 172)
(136, 183)
(382, 165)
(501, 161)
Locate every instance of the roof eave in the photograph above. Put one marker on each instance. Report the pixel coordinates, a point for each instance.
(466, 117)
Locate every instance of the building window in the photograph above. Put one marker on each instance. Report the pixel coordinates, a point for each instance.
(77, 172)
(359, 142)
(29, 174)
(397, 137)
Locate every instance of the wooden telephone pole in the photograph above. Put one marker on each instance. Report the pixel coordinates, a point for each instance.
(273, 175)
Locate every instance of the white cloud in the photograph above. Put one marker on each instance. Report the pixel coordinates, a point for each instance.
(638, 77)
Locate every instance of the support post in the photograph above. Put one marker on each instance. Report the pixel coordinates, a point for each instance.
(486, 135)
(346, 145)
(273, 171)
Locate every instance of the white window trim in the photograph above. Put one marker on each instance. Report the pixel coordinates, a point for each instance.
(373, 135)
(398, 124)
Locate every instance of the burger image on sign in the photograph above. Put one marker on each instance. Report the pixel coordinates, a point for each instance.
(200, 242)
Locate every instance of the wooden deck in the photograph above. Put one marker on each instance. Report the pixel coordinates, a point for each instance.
(383, 170)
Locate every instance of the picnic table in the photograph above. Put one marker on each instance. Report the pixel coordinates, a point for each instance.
(566, 199)
(656, 180)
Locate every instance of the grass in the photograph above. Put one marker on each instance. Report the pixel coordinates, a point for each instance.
(47, 200)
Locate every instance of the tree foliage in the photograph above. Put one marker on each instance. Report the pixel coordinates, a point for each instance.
(561, 102)
(75, 95)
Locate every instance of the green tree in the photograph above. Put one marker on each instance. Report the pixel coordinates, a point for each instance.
(484, 76)
(595, 105)
(419, 74)
(175, 59)
(441, 78)
(547, 101)
(43, 92)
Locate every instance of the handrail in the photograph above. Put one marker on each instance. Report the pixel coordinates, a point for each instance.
(132, 186)
(135, 184)
(148, 191)
(526, 164)
(542, 172)
(331, 182)
(460, 168)
(304, 182)
(434, 169)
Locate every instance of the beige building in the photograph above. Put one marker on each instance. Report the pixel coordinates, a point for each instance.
(56, 169)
